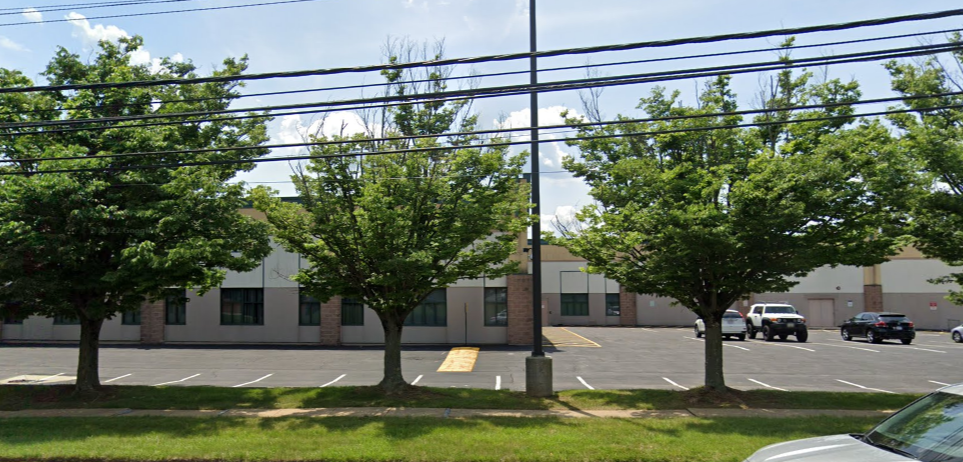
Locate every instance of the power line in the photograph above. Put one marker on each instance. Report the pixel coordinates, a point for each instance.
(130, 15)
(502, 91)
(449, 148)
(503, 57)
(510, 73)
(51, 8)
(23, 8)
(500, 131)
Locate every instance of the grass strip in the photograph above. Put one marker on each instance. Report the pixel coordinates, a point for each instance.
(18, 397)
(347, 439)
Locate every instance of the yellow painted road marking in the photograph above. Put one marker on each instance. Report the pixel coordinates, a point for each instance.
(461, 359)
(562, 337)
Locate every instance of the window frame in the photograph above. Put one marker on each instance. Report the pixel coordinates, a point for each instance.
(437, 303)
(351, 309)
(179, 308)
(609, 304)
(492, 308)
(568, 306)
(243, 308)
(313, 305)
(130, 318)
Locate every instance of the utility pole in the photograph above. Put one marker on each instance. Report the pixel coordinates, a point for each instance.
(538, 367)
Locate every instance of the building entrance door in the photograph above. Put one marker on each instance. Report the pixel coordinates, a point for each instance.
(821, 313)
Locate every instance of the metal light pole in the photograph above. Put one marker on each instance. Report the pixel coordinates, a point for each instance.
(538, 367)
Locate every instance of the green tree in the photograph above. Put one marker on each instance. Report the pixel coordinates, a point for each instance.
(90, 245)
(710, 214)
(932, 140)
(388, 229)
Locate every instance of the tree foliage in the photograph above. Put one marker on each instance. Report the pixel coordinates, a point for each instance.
(388, 229)
(932, 140)
(90, 245)
(708, 217)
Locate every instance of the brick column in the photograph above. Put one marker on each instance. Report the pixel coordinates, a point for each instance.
(873, 297)
(628, 308)
(520, 325)
(152, 323)
(331, 322)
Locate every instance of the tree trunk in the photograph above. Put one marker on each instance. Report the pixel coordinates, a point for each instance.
(715, 379)
(393, 381)
(88, 366)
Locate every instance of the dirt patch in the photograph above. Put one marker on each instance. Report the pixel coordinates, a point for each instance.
(706, 397)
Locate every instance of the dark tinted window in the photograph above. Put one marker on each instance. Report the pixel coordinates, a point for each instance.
(730, 314)
(780, 310)
(893, 318)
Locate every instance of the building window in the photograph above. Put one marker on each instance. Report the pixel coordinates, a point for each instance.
(575, 305)
(242, 307)
(10, 313)
(432, 311)
(612, 305)
(131, 318)
(496, 306)
(62, 320)
(352, 312)
(309, 313)
(175, 307)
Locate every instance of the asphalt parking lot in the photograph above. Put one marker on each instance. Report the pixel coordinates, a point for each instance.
(605, 358)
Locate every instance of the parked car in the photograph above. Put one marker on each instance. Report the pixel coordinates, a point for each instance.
(776, 319)
(957, 333)
(733, 325)
(929, 429)
(877, 327)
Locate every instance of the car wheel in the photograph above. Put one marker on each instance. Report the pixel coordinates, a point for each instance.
(844, 333)
(742, 337)
(768, 334)
(801, 337)
(697, 333)
(751, 330)
(871, 337)
(906, 341)
(957, 337)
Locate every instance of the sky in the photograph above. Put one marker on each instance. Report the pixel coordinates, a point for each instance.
(342, 33)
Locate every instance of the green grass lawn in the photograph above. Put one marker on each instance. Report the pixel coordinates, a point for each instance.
(47, 397)
(406, 439)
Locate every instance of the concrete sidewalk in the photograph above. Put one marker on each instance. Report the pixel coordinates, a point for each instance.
(442, 413)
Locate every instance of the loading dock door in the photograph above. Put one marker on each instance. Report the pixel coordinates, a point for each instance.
(821, 313)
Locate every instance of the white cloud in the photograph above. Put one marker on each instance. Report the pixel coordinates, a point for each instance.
(564, 215)
(11, 45)
(91, 35)
(550, 154)
(33, 15)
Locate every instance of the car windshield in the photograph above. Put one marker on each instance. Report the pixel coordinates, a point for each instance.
(730, 314)
(930, 429)
(780, 310)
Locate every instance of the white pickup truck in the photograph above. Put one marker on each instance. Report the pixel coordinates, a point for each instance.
(776, 319)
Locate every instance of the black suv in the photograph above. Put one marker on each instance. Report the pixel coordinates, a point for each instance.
(877, 327)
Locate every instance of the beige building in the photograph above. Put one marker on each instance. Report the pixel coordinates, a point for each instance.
(265, 306)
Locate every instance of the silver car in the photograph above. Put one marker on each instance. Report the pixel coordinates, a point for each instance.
(957, 333)
(929, 429)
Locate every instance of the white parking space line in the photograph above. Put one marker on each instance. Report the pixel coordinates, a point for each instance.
(938, 383)
(51, 377)
(585, 383)
(498, 382)
(253, 381)
(845, 346)
(648, 330)
(333, 381)
(673, 383)
(177, 381)
(865, 388)
(724, 344)
(117, 378)
(781, 345)
(414, 382)
(767, 385)
(921, 349)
